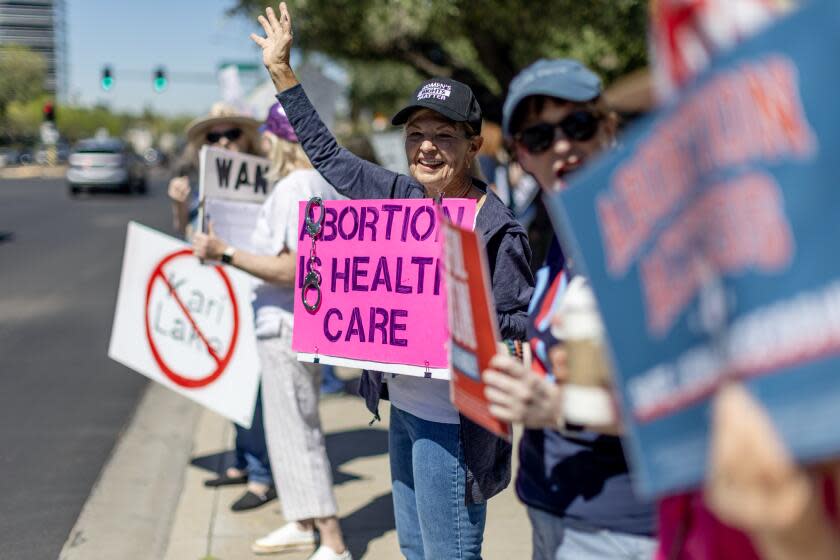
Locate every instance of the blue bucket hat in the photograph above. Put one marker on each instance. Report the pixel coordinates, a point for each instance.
(562, 78)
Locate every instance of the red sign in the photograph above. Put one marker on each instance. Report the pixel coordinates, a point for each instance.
(472, 325)
(221, 361)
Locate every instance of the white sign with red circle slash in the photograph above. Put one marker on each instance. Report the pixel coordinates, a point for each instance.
(186, 325)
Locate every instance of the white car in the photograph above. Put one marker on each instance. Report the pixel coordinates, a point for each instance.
(105, 164)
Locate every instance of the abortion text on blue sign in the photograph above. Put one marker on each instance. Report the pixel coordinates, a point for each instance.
(708, 239)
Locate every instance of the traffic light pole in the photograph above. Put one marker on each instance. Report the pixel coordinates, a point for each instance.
(49, 134)
(160, 77)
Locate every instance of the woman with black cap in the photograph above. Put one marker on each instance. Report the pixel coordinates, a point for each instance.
(443, 467)
(223, 127)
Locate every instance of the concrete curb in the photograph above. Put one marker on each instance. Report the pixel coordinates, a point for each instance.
(130, 511)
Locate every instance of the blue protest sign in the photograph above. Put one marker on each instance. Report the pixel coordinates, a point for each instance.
(710, 238)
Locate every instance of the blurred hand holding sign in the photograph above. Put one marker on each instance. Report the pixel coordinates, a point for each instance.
(383, 298)
(185, 325)
(472, 324)
(232, 186)
(709, 239)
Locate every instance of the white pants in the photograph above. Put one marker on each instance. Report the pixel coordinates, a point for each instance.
(293, 434)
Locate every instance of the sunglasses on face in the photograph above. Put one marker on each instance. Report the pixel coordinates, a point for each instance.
(579, 126)
(232, 134)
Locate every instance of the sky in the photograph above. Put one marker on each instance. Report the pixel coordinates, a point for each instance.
(135, 37)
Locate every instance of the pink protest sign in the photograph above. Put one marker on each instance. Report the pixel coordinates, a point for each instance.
(383, 292)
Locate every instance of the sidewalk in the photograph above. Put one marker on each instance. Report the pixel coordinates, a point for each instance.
(33, 172)
(204, 528)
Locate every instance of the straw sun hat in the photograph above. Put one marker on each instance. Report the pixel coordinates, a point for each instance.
(222, 113)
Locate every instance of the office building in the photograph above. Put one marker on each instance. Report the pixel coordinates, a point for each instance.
(40, 26)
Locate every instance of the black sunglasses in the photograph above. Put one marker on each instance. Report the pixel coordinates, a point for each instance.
(232, 134)
(579, 126)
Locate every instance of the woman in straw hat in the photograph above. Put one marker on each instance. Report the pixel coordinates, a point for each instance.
(223, 127)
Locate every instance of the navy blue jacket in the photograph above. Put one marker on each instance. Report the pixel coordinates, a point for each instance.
(487, 457)
(577, 475)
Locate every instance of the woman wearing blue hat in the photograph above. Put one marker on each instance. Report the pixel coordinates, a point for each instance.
(444, 467)
(574, 479)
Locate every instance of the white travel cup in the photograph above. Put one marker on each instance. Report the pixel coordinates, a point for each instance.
(586, 394)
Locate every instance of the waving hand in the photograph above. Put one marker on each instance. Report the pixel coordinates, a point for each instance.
(277, 46)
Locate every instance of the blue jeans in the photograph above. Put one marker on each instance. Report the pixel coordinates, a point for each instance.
(428, 477)
(251, 451)
(558, 538)
(330, 384)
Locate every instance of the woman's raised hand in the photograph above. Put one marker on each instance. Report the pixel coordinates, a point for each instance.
(277, 46)
(179, 189)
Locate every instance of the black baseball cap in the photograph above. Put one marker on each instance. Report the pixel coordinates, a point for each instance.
(450, 98)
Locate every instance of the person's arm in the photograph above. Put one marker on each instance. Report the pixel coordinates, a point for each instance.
(277, 269)
(349, 174)
(812, 535)
(179, 193)
(776, 501)
(512, 282)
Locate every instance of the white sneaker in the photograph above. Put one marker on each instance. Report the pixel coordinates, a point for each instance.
(287, 538)
(326, 553)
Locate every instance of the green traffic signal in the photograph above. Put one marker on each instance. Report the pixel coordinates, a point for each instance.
(160, 81)
(107, 78)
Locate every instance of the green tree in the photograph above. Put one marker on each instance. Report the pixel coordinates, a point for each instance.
(483, 43)
(74, 123)
(23, 118)
(22, 74)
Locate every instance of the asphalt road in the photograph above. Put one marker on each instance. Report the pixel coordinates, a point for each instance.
(63, 403)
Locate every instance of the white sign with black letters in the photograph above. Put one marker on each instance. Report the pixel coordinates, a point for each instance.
(232, 187)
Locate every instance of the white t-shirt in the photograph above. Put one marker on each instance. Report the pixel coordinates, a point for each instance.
(276, 229)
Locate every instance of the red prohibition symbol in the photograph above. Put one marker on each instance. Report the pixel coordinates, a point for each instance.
(221, 361)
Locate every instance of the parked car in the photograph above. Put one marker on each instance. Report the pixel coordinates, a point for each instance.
(105, 164)
(9, 156)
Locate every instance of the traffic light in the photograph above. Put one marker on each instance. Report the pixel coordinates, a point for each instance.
(107, 78)
(49, 112)
(160, 79)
